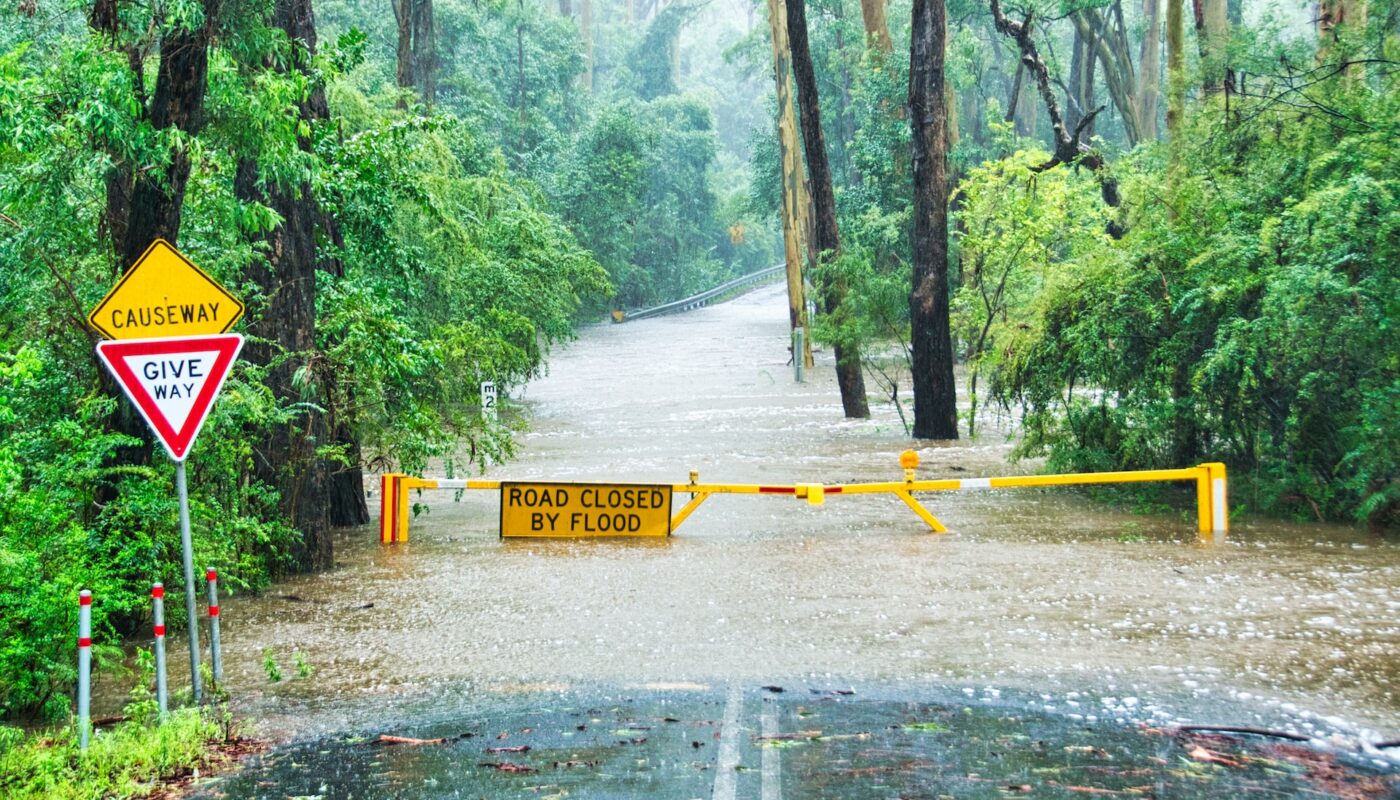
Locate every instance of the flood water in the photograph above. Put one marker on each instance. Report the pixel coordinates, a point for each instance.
(1046, 599)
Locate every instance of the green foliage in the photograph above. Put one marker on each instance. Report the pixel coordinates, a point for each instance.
(452, 269)
(304, 668)
(1247, 316)
(274, 672)
(638, 195)
(123, 761)
(1017, 229)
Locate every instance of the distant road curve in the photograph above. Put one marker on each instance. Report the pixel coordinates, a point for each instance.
(704, 298)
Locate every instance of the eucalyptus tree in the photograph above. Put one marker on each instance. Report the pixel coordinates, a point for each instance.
(935, 393)
(826, 234)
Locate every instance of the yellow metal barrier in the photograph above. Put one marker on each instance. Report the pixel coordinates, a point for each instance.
(1212, 510)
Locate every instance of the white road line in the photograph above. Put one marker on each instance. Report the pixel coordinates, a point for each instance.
(772, 787)
(726, 764)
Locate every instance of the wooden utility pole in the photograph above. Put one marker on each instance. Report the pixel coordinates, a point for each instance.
(795, 200)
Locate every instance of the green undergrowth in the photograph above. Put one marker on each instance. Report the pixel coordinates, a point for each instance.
(131, 759)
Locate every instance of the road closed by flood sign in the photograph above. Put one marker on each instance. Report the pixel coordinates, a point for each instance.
(584, 509)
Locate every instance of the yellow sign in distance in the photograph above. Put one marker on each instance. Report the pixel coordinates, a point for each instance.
(559, 510)
(163, 295)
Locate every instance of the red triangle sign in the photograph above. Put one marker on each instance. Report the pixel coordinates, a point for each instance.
(173, 382)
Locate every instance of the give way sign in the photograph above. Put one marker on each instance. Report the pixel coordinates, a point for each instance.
(172, 382)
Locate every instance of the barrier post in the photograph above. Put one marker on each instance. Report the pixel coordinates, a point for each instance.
(1219, 501)
(84, 667)
(1212, 502)
(162, 689)
(1203, 513)
(215, 655)
(401, 508)
(390, 487)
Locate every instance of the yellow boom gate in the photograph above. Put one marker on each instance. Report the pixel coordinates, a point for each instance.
(578, 509)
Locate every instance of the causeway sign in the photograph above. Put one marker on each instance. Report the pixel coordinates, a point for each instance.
(585, 509)
(164, 295)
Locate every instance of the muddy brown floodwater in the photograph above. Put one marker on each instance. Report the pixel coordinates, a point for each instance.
(1075, 607)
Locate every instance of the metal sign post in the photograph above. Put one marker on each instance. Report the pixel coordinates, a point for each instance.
(187, 548)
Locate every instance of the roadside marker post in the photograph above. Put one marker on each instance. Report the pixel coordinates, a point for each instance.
(166, 322)
(799, 347)
(84, 667)
(162, 690)
(215, 655)
(488, 400)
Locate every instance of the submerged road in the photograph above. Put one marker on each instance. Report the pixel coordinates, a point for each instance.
(1041, 605)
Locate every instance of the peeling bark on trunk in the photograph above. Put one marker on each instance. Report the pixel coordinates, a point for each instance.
(283, 338)
(935, 393)
(828, 241)
(796, 232)
(877, 26)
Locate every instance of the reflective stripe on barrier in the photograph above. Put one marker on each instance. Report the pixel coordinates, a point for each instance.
(1212, 509)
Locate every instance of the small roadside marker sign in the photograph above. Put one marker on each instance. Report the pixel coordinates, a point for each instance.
(164, 294)
(172, 382)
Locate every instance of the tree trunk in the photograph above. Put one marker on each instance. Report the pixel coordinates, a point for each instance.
(424, 51)
(828, 239)
(1212, 37)
(1176, 71)
(1150, 68)
(935, 394)
(144, 204)
(1110, 44)
(585, 23)
(1081, 82)
(795, 201)
(284, 335)
(1026, 111)
(877, 26)
(1332, 15)
(181, 81)
(403, 71)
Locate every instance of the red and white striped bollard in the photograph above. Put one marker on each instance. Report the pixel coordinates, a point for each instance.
(84, 666)
(213, 578)
(162, 691)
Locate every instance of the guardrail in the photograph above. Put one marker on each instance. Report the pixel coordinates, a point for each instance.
(699, 300)
(1212, 517)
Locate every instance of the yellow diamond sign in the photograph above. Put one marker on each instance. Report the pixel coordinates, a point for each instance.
(164, 295)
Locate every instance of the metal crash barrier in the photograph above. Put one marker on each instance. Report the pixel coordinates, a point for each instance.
(572, 509)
